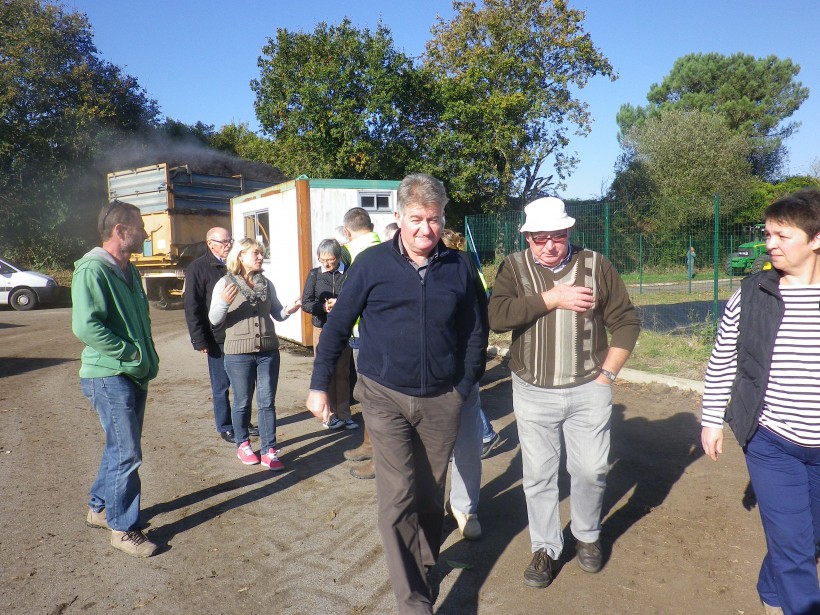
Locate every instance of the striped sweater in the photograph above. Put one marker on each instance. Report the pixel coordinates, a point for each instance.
(791, 405)
(561, 348)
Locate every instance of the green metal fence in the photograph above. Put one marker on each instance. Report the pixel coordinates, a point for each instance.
(678, 273)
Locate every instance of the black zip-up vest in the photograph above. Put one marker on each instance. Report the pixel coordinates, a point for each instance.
(761, 312)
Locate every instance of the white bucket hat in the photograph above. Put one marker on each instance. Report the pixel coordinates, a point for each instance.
(546, 214)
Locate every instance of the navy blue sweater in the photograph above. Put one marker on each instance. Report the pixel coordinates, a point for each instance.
(417, 336)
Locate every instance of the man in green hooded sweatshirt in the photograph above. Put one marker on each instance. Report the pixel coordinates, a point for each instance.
(110, 316)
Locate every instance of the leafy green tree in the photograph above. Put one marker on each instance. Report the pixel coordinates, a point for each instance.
(58, 100)
(338, 102)
(764, 194)
(508, 74)
(687, 157)
(754, 96)
(241, 141)
(199, 132)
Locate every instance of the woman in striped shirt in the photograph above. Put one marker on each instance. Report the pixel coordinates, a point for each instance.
(763, 379)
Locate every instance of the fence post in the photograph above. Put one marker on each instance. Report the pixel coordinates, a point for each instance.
(606, 230)
(690, 269)
(716, 262)
(640, 264)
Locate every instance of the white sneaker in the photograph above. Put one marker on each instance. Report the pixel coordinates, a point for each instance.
(350, 424)
(468, 524)
(333, 423)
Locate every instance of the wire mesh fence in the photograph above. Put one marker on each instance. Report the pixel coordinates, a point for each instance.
(680, 264)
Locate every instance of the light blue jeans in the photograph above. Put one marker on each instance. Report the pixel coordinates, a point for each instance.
(582, 414)
(120, 405)
(465, 482)
(487, 431)
(248, 372)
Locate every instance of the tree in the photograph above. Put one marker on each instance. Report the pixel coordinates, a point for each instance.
(754, 96)
(57, 101)
(241, 141)
(687, 157)
(200, 133)
(507, 74)
(339, 102)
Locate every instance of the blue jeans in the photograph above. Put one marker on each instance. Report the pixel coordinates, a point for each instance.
(260, 371)
(465, 483)
(220, 386)
(487, 431)
(121, 406)
(582, 413)
(786, 480)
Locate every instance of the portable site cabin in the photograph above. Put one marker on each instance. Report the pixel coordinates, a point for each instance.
(292, 218)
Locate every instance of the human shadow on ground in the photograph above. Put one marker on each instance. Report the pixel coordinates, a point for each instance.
(647, 456)
(14, 366)
(302, 459)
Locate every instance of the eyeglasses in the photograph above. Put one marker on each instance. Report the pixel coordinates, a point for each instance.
(543, 238)
(224, 242)
(328, 261)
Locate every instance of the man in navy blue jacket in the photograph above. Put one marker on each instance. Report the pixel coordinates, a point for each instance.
(422, 348)
(200, 277)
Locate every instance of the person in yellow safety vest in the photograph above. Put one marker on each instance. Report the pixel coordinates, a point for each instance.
(359, 228)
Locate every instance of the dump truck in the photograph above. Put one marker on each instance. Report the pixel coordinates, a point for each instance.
(178, 205)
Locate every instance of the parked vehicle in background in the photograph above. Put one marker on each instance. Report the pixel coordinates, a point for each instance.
(24, 290)
(751, 256)
(178, 205)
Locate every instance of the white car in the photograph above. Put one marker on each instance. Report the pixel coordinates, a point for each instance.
(24, 290)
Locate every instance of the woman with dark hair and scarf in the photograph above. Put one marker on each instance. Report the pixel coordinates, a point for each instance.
(246, 302)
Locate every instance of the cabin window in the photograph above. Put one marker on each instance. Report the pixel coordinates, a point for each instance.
(375, 201)
(257, 226)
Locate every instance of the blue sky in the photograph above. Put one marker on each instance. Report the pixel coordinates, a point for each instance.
(197, 58)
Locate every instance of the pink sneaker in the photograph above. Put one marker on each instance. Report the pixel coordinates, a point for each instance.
(246, 454)
(271, 460)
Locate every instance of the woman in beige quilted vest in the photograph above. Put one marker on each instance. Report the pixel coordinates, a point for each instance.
(246, 302)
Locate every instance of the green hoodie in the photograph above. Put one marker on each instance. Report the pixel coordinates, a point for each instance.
(111, 318)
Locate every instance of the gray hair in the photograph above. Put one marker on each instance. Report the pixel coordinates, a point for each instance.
(329, 246)
(421, 189)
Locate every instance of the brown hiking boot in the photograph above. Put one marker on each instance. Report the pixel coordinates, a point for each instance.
(133, 542)
(96, 519)
(364, 471)
(361, 453)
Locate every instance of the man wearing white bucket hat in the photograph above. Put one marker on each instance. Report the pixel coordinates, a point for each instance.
(574, 327)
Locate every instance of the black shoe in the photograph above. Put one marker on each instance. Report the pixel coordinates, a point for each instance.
(487, 448)
(253, 430)
(590, 556)
(228, 436)
(540, 571)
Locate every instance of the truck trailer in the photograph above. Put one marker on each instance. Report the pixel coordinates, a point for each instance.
(178, 205)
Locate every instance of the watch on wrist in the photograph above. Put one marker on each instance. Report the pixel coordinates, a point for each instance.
(608, 374)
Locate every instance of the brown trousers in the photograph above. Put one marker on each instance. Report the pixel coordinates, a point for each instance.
(413, 439)
(338, 393)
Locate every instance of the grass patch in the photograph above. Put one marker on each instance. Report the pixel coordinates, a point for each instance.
(679, 354)
(61, 276)
(663, 297)
(684, 356)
